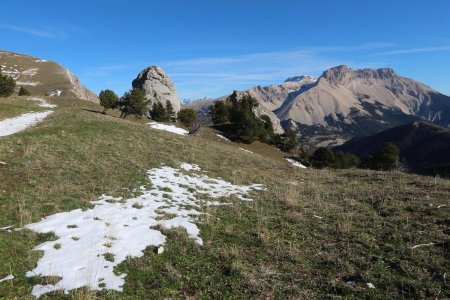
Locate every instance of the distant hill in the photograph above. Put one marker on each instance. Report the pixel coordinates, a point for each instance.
(424, 147)
(42, 77)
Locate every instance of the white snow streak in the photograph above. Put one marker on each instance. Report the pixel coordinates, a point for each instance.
(123, 227)
(248, 151)
(222, 137)
(169, 128)
(295, 163)
(9, 277)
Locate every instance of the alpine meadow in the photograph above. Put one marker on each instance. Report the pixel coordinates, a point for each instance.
(226, 150)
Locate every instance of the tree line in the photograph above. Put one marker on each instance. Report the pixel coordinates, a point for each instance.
(387, 158)
(134, 102)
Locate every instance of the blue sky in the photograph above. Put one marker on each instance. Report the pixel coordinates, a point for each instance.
(210, 48)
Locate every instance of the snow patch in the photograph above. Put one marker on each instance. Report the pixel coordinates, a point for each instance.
(9, 277)
(248, 151)
(169, 128)
(27, 83)
(222, 137)
(30, 72)
(22, 122)
(295, 163)
(92, 242)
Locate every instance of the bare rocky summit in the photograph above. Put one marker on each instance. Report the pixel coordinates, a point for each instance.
(42, 77)
(158, 87)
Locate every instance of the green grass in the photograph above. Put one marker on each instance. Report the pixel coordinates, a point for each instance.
(15, 106)
(304, 237)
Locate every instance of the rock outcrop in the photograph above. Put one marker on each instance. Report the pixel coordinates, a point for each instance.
(158, 87)
(42, 77)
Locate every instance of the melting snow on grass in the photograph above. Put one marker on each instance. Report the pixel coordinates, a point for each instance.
(295, 163)
(170, 128)
(13, 125)
(92, 242)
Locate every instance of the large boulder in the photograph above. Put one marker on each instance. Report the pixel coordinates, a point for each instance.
(158, 87)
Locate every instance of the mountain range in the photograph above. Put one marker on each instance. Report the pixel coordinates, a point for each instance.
(345, 103)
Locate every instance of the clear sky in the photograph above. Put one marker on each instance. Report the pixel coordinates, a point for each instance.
(211, 47)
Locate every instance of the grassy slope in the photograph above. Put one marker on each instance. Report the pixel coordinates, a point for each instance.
(15, 106)
(304, 237)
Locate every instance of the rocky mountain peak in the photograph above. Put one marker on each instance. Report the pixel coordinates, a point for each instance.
(343, 74)
(158, 86)
(338, 75)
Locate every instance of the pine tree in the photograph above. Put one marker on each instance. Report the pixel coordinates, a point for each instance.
(7, 85)
(158, 112)
(108, 99)
(323, 157)
(133, 102)
(170, 113)
(187, 117)
(24, 92)
(219, 112)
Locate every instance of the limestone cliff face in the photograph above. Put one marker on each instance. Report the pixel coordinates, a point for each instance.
(42, 77)
(158, 87)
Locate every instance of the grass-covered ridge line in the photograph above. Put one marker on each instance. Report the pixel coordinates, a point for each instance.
(308, 234)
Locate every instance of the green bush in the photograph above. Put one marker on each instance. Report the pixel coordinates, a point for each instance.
(108, 99)
(7, 85)
(24, 92)
(187, 117)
